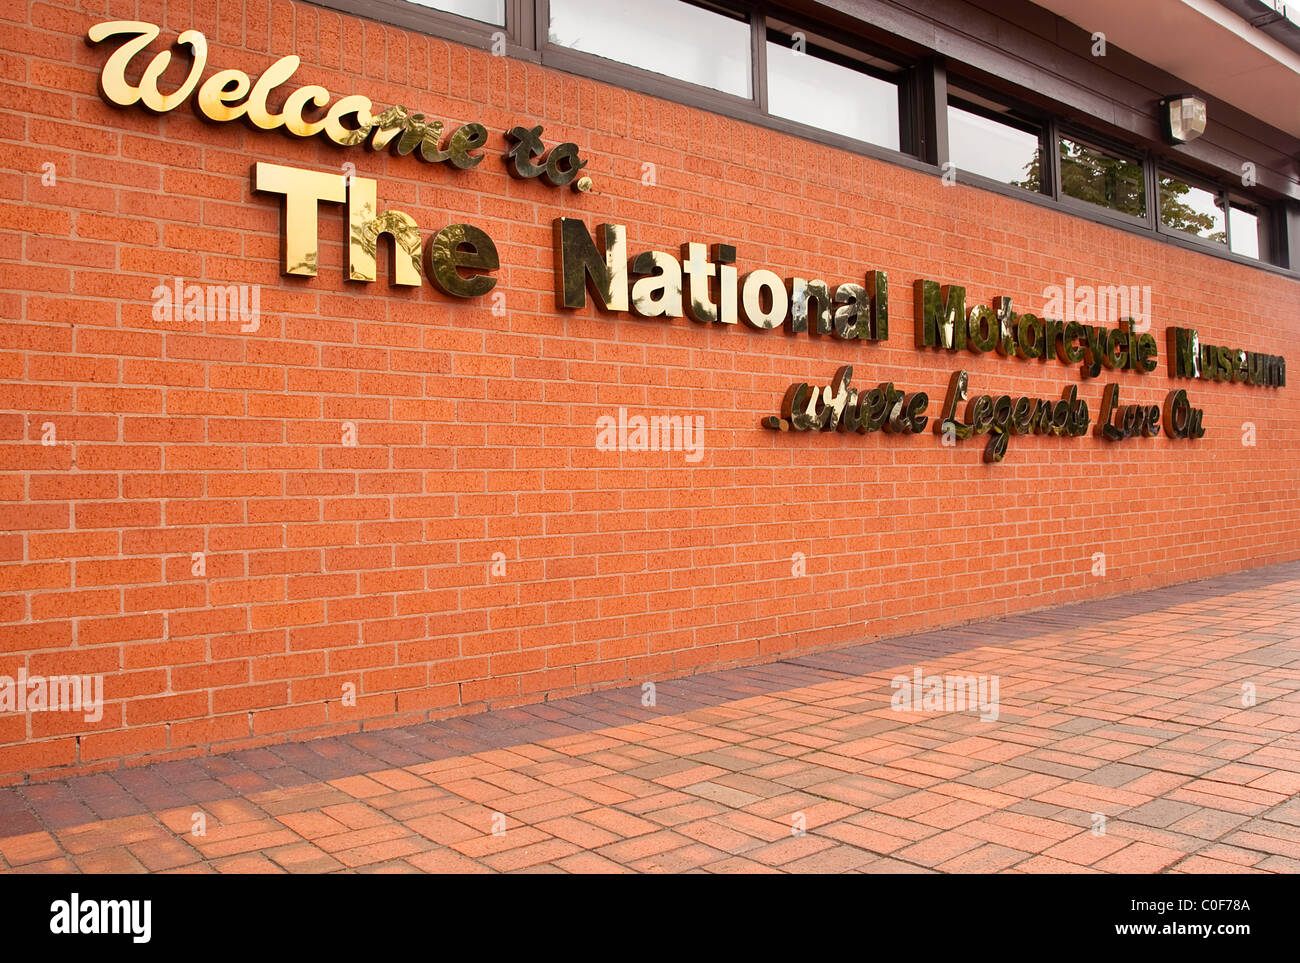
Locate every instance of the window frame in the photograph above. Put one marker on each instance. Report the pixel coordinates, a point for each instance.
(1201, 182)
(1020, 118)
(519, 28)
(905, 79)
(1266, 226)
(639, 79)
(1106, 145)
(753, 109)
(923, 102)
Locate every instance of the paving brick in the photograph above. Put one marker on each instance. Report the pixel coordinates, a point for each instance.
(937, 849)
(621, 824)
(1086, 849)
(739, 864)
(303, 858)
(833, 859)
(312, 825)
(392, 850)
(1208, 823)
(639, 847)
(988, 858)
(790, 849)
(446, 861)
(1140, 858)
(582, 834)
(718, 787)
(684, 859)
(114, 859)
(590, 863)
(164, 853)
(483, 845)
(246, 863)
(29, 848)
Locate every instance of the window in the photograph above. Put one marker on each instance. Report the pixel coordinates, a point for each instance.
(832, 87)
(1192, 209)
(1103, 178)
(987, 139)
(700, 44)
(1196, 208)
(1243, 230)
(872, 93)
(487, 11)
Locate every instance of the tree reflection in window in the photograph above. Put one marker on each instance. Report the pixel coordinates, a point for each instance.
(1192, 209)
(1097, 177)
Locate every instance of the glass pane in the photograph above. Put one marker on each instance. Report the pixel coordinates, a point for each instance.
(489, 11)
(1102, 178)
(1244, 227)
(698, 45)
(820, 93)
(1192, 209)
(984, 146)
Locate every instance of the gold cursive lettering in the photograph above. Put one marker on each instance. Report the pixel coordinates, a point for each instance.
(230, 94)
(113, 84)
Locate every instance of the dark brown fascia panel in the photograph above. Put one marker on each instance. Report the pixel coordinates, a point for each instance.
(1030, 53)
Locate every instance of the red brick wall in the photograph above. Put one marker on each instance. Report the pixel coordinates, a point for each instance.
(370, 565)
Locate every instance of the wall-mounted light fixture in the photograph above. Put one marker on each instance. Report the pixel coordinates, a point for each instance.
(1183, 118)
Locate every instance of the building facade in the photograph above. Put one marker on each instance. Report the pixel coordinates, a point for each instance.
(370, 362)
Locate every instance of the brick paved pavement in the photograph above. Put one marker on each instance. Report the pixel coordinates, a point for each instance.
(1136, 715)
